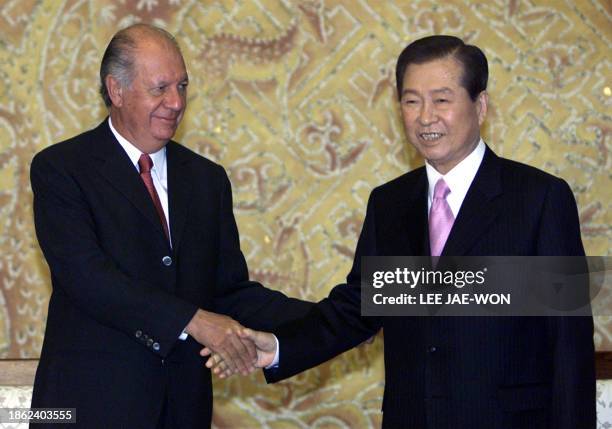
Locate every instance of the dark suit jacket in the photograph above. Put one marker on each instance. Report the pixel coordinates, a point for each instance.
(121, 296)
(464, 372)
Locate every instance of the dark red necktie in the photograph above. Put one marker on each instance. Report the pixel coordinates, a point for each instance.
(146, 164)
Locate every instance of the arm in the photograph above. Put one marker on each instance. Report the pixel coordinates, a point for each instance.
(238, 297)
(246, 301)
(573, 393)
(333, 325)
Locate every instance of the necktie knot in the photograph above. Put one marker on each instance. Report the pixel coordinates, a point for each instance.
(145, 163)
(441, 190)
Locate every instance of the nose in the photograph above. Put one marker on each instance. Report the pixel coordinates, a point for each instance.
(175, 99)
(427, 114)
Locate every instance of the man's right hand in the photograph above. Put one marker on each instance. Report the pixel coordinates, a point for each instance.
(265, 344)
(222, 335)
(266, 351)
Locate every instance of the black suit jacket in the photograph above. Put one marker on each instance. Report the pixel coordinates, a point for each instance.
(464, 372)
(121, 296)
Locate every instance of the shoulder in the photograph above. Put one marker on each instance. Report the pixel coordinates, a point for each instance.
(67, 152)
(528, 179)
(401, 187)
(186, 155)
(200, 167)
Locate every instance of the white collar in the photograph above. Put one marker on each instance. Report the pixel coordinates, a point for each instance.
(159, 157)
(459, 178)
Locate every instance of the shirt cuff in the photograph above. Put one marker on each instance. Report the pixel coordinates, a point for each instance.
(183, 335)
(274, 363)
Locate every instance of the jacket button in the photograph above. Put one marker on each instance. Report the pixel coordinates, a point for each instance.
(156, 347)
(138, 333)
(433, 349)
(149, 342)
(167, 261)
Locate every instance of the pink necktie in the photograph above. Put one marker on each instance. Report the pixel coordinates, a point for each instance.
(146, 164)
(440, 218)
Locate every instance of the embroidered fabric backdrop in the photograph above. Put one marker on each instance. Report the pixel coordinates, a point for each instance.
(296, 99)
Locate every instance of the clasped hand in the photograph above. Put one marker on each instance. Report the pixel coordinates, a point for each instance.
(265, 347)
(224, 337)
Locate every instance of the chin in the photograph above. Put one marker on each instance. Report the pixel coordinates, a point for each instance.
(165, 135)
(433, 154)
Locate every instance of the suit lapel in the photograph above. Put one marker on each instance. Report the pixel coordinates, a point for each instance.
(417, 216)
(479, 209)
(114, 164)
(179, 190)
(409, 235)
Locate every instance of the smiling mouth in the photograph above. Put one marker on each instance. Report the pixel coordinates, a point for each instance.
(430, 137)
(169, 120)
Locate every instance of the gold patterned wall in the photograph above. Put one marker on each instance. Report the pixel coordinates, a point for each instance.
(296, 99)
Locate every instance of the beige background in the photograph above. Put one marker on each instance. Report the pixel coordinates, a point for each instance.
(296, 99)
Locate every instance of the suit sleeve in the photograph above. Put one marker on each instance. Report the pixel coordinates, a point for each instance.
(573, 392)
(247, 301)
(82, 270)
(333, 325)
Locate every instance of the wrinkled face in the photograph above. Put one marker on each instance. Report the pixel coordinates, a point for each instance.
(441, 120)
(149, 110)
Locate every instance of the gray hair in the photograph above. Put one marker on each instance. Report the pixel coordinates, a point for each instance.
(118, 58)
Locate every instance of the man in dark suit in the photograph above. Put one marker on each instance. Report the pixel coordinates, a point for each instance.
(462, 372)
(141, 241)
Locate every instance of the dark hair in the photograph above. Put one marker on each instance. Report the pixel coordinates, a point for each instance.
(118, 58)
(472, 59)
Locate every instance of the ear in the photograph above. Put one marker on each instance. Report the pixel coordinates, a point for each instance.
(482, 104)
(115, 90)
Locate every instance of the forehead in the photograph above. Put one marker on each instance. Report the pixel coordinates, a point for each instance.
(442, 72)
(158, 57)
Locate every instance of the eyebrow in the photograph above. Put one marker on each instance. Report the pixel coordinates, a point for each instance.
(443, 90)
(163, 82)
(409, 91)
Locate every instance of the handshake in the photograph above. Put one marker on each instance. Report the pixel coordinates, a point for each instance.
(231, 347)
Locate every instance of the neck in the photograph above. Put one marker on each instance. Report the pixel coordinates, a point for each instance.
(124, 131)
